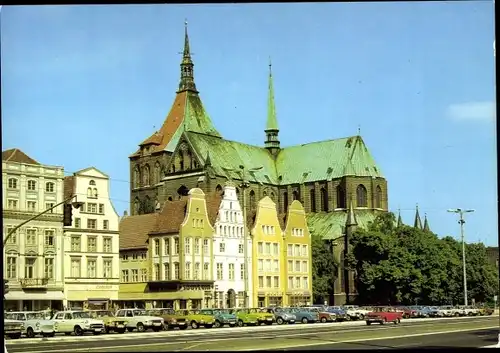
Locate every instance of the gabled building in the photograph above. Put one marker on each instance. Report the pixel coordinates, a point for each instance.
(229, 253)
(33, 254)
(91, 243)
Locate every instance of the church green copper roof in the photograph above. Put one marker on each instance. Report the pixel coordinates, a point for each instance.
(331, 225)
(272, 121)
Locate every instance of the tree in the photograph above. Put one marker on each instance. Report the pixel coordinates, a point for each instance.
(324, 269)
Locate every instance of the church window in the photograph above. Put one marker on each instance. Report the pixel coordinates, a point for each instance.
(157, 176)
(361, 196)
(378, 197)
(324, 200)
(136, 206)
(272, 196)
(137, 177)
(147, 205)
(285, 201)
(312, 195)
(218, 190)
(340, 197)
(181, 160)
(264, 193)
(252, 200)
(295, 195)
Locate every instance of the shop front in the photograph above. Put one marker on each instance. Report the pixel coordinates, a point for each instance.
(33, 300)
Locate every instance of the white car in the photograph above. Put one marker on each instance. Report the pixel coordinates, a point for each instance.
(355, 312)
(77, 322)
(449, 311)
(137, 319)
(468, 310)
(12, 328)
(34, 323)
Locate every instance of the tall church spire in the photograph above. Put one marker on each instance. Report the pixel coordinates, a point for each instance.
(418, 222)
(187, 72)
(400, 220)
(272, 142)
(426, 224)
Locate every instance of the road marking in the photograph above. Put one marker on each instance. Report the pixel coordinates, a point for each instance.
(363, 339)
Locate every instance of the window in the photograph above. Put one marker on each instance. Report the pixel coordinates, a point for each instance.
(297, 266)
(290, 250)
(31, 185)
(276, 282)
(304, 266)
(275, 249)
(260, 248)
(197, 246)
(106, 244)
(220, 272)
(205, 247)
(166, 271)
(290, 266)
(76, 243)
(91, 207)
(276, 266)
(312, 197)
(340, 197)
(196, 271)
(176, 246)
(78, 222)
(29, 267)
(304, 250)
(324, 199)
(12, 204)
(290, 282)
(305, 282)
(49, 187)
(297, 282)
(268, 265)
(108, 269)
(260, 265)
(143, 256)
(378, 197)
(91, 244)
(268, 282)
(268, 249)
(157, 247)
(261, 282)
(176, 270)
(240, 249)
(135, 276)
(144, 274)
(92, 223)
(166, 246)
(101, 208)
(49, 237)
(222, 247)
(187, 246)
(156, 272)
(125, 276)
(12, 183)
(30, 236)
(187, 271)
(31, 206)
(124, 257)
(91, 268)
(361, 196)
(11, 267)
(105, 224)
(206, 271)
(75, 267)
(231, 272)
(242, 271)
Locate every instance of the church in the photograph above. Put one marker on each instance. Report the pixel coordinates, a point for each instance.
(336, 180)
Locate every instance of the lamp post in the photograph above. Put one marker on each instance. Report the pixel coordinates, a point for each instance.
(461, 221)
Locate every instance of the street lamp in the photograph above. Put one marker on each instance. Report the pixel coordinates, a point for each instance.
(461, 221)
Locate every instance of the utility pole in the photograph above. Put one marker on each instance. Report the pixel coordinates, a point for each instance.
(461, 221)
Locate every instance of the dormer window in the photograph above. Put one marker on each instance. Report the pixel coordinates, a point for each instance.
(92, 183)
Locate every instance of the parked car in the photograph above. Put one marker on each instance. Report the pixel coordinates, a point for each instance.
(449, 311)
(486, 311)
(355, 312)
(171, 319)
(304, 315)
(407, 312)
(340, 314)
(34, 323)
(196, 319)
(111, 323)
(245, 317)
(282, 315)
(77, 322)
(263, 317)
(222, 317)
(138, 319)
(13, 328)
(468, 310)
(383, 315)
(323, 315)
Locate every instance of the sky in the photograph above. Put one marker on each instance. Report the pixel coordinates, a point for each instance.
(84, 85)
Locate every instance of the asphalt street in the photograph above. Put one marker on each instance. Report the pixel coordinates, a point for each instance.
(410, 333)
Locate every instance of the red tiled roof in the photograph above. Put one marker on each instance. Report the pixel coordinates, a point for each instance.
(134, 230)
(69, 186)
(16, 155)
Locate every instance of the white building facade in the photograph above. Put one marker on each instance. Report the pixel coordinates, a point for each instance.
(229, 261)
(91, 243)
(33, 254)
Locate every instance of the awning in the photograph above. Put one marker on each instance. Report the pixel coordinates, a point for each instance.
(14, 295)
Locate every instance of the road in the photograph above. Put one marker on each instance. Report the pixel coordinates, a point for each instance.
(463, 332)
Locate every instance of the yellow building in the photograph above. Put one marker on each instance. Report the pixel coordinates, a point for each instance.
(179, 246)
(297, 251)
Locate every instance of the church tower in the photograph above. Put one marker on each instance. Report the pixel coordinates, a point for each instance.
(272, 142)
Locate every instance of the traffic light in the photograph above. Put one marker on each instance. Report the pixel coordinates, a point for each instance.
(68, 215)
(5, 287)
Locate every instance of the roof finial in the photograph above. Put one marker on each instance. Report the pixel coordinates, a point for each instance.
(359, 130)
(270, 67)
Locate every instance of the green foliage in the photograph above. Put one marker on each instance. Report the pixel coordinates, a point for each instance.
(407, 265)
(323, 268)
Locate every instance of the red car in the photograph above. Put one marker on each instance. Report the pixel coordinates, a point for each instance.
(407, 312)
(383, 315)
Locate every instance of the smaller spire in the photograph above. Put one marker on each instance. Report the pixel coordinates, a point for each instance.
(400, 220)
(418, 222)
(426, 224)
(351, 216)
(187, 66)
(272, 142)
(207, 160)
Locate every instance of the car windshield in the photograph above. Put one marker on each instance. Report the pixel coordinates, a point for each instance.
(81, 315)
(35, 316)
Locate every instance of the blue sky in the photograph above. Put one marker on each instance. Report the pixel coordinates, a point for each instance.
(84, 85)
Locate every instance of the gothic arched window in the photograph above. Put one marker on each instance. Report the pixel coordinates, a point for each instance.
(285, 201)
(252, 200)
(378, 197)
(218, 189)
(137, 177)
(89, 192)
(146, 175)
(295, 195)
(136, 206)
(147, 205)
(361, 196)
(324, 200)
(340, 197)
(157, 177)
(312, 195)
(181, 160)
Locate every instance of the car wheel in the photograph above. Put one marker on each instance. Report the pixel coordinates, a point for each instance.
(470, 313)
(140, 327)
(304, 320)
(323, 319)
(383, 322)
(217, 324)
(347, 318)
(361, 317)
(280, 321)
(397, 321)
(194, 325)
(240, 323)
(457, 314)
(30, 333)
(78, 331)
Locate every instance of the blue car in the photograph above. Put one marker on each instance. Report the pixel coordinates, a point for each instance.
(340, 314)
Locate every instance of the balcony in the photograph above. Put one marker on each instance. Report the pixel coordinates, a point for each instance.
(33, 282)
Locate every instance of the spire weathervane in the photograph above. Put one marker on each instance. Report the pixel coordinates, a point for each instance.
(359, 130)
